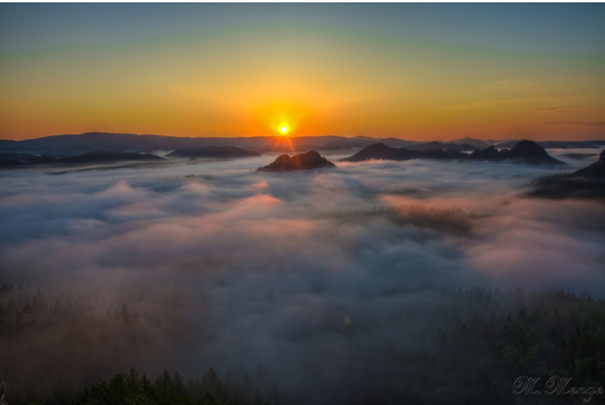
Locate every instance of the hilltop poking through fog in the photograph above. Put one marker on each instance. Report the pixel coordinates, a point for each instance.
(523, 152)
(588, 182)
(303, 161)
(594, 171)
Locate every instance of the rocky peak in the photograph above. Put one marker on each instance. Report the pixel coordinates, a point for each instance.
(304, 161)
(528, 150)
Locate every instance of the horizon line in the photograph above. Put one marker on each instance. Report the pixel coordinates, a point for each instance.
(302, 136)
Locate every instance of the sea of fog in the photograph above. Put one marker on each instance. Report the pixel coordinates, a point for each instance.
(295, 271)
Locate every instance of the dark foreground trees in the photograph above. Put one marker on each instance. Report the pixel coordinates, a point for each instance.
(132, 389)
(460, 346)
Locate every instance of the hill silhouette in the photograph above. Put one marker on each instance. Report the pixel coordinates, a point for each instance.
(522, 152)
(594, 171)
(588, 182)
(213, 152)
(304, 161)
(26, 159)
(341, 144)
(105, 156)
(433, 145)
(19, 159)
(92, 141)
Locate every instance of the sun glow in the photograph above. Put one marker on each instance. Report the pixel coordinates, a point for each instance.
(283, 129)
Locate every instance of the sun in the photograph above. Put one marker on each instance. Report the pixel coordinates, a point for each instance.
(283, 128)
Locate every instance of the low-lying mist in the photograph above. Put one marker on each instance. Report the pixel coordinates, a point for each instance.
(318, 276)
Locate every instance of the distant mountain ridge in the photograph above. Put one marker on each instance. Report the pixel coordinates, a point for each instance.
(23, 159)
(97, 141)
(460, 147)
(477, 143)
(131, 142)
(109, 156)
(213, 152)
(558, 144)
(523, 151)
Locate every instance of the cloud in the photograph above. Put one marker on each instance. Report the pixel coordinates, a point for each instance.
(562, 109)
(498, 102)
(588, 124)
(304, 272)
(512, 85)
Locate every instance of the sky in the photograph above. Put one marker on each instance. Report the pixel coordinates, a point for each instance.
(412, 71)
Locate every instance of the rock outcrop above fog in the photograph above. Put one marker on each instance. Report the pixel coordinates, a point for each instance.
(304, 161)
(522, 152)
(383, 152)
(213, 152)
(594, 171)
(588, 182)
(530, 152)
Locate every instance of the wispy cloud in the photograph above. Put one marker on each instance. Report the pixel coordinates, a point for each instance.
(512, 85)
(600, 124)
(562, 109)
(496, 103)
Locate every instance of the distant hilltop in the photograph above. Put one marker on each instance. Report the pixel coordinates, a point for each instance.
(304, 161)
(588, 182)
(96, 141)
(522, 152)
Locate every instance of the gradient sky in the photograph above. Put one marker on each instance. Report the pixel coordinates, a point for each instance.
(413, 71)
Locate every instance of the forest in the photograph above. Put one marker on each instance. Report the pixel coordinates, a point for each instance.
(468, 346)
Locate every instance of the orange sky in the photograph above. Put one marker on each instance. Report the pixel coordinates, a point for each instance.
(324, 70)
